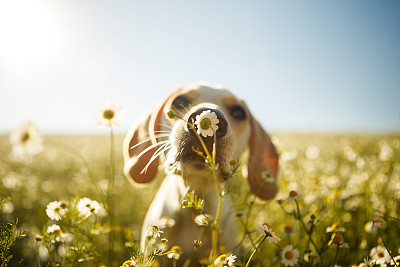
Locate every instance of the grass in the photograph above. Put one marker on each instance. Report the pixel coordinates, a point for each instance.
(348, 180)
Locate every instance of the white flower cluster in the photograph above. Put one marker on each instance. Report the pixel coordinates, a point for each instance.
(56, 210)
(87, 207)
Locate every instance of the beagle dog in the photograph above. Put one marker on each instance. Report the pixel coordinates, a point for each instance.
(159, 136)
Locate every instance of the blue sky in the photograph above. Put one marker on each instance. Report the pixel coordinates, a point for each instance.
(301, 66)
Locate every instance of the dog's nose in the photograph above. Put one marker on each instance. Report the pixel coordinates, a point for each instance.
(222, 123)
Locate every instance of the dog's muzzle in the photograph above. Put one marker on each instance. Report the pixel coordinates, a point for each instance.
(187, 142)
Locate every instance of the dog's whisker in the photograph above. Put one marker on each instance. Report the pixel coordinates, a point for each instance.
(161, 148)
(156, 154)
(162, 135)
(162, 131)
(181, 113)
(151, 147)
(149, 139)
(164, 125)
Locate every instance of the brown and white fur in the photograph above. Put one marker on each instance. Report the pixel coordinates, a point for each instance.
(158, 135)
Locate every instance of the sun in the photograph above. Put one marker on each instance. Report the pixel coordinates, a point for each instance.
(30, 35)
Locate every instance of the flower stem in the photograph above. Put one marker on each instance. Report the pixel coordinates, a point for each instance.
(79, 155)
(299, 217)
(37, 253)
(384, 243)
(254, 252)
(211, 160)
(110, 204)
(336, 254)
(215, 228)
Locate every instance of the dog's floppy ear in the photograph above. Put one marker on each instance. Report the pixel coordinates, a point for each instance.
(263, 162)
(139, 138)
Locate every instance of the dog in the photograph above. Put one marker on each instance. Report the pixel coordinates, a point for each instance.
(158, 136)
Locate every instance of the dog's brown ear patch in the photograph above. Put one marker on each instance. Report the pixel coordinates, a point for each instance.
(263, 163)
(137, 151)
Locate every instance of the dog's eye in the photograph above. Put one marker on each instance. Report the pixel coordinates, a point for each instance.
(180, 102)
(238, 113)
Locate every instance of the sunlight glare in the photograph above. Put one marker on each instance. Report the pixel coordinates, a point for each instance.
(30, 36)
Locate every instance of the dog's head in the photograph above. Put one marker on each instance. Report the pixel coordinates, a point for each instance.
(237, 130)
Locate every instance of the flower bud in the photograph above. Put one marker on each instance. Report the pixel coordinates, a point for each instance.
(171, 114)
(197, 243)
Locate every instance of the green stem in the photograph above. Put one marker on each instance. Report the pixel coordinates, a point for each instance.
(336, 254)
(211, 160)
(393, 218)
(195, 249)
(37, 253)
(74, 151)
(110, 199)
(254, 252)
(384, 243)
(215, 229)
(299, 217)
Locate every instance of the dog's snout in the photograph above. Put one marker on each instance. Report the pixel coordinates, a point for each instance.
(222, 123)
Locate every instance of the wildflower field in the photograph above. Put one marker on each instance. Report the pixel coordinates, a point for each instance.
(338, 203)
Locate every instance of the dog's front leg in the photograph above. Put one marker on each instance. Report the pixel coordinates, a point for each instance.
(167, 202)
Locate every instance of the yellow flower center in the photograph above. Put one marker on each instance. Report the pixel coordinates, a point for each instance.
(205, 123)
(292, 194)
(25, 137)
(57, 231)
(288, 228)
(381, 254)
(176, 249)
(127, 263)
(338, 239)
(334, 226)
(289, 255)
(222, 257)
(108, 114)
(57, 209)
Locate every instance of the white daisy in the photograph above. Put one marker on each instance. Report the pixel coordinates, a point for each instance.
(54, 229)
(288, 231)
(378, 223)
(26, 142)
(166, 221)
(175, 252)
(338, 240)
(153, 232)
(267, 177)
(129, 263)
(206, 122)
(380, 254)
(202, 219)
(87, 207)
(269, 232)
(224, 259)
(290, 256)
(109, 115)
(396, 260)
(335, 228)
(369, 227)
(293, 195)
(56, 210)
